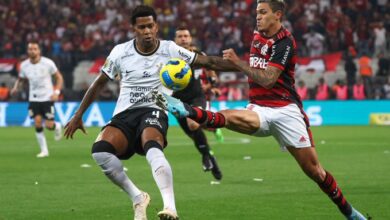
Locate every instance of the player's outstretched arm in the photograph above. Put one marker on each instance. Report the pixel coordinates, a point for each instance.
(214, 63)
(76, 121)
(266, 78)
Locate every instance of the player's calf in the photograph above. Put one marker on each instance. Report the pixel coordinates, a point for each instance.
(104, 154)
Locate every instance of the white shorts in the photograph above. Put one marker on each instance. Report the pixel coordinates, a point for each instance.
(286, 124)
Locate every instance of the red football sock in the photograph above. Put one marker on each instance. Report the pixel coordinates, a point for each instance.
(329, 186)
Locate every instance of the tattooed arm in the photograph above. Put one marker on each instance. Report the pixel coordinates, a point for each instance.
(266, 78)
(214, 63)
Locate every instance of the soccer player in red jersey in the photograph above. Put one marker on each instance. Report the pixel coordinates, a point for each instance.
(275, 108)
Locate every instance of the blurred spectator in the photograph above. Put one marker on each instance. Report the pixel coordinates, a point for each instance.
(386, 89)
(224, 93)
(4, 92)
(302, 90)
(76, 30)
(314, 43)
(358, 90)
(234, 93)
(322, 90)
(365, 71)
(350, 69)
(383, 66)
(340, 90)
(380, 39)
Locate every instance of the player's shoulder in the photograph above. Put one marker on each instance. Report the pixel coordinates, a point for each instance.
(165, 44)
(46, 60)
(25, 63)
(123, 47)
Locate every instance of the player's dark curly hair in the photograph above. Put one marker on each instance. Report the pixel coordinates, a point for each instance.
(275, 5)
(142, 11)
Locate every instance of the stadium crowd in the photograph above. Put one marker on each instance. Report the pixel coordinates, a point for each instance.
(75, 30)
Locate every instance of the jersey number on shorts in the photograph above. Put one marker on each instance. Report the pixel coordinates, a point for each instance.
(156, 113)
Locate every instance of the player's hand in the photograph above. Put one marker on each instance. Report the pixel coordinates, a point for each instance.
(54, 97)
(74, 124)
(13, 91)
(206, 87)
(229, 54)
(215, 91)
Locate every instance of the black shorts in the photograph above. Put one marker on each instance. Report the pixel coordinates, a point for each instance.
(132, 122)
(45, 109)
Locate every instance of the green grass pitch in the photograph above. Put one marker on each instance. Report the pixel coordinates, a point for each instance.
(269, 185)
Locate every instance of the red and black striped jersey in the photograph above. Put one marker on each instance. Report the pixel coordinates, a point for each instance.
(278, 51)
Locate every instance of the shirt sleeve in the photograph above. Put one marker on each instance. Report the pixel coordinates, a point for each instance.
(282, 52)
(22, 72)
(52, 67)
(110, 66)
(179, 52)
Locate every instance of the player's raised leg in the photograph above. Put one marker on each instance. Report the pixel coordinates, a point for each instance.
(110, 143)
(153, 142)
(308, 160)
(243, 121)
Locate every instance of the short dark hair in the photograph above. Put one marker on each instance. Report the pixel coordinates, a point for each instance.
(275, 5)
(142, 11)
(182, 28)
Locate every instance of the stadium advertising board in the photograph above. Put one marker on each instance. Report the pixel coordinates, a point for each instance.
(319, 112)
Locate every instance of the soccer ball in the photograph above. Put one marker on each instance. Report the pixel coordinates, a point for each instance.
(176, 74)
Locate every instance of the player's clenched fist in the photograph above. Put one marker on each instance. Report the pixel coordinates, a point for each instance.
(229, 54)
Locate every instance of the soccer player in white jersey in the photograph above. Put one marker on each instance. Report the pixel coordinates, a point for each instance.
(38, 70)
(138, 125)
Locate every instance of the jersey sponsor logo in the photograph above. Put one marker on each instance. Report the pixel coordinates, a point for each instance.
(256, 44)
(162, 54)
(153, 121)
(140, 94)
(185, 56)
(127, 55)
(146, 74)
(108, 65)
(273, 51)
(258, 62)
(287, 51)
(264, 50)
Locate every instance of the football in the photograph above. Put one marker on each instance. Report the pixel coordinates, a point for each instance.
(176, 74)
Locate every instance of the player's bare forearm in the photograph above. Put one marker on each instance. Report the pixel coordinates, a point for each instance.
(266, 78)
(59, 80)
(214, 63)
(91, 94)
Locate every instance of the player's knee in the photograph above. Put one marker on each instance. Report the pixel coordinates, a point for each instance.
(152, 144)
(193, 126)
(103, 146)
(50, 125)
(38, 129)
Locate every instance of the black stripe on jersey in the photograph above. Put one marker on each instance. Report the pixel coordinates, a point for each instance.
(106, 75)
(193, 60)
(146, 54)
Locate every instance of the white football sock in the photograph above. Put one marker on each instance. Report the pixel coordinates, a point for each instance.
(57, 125)
(162, 174)
(42, 141)
(113, 169)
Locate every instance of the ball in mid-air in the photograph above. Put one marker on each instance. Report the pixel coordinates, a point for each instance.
(176, 74)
